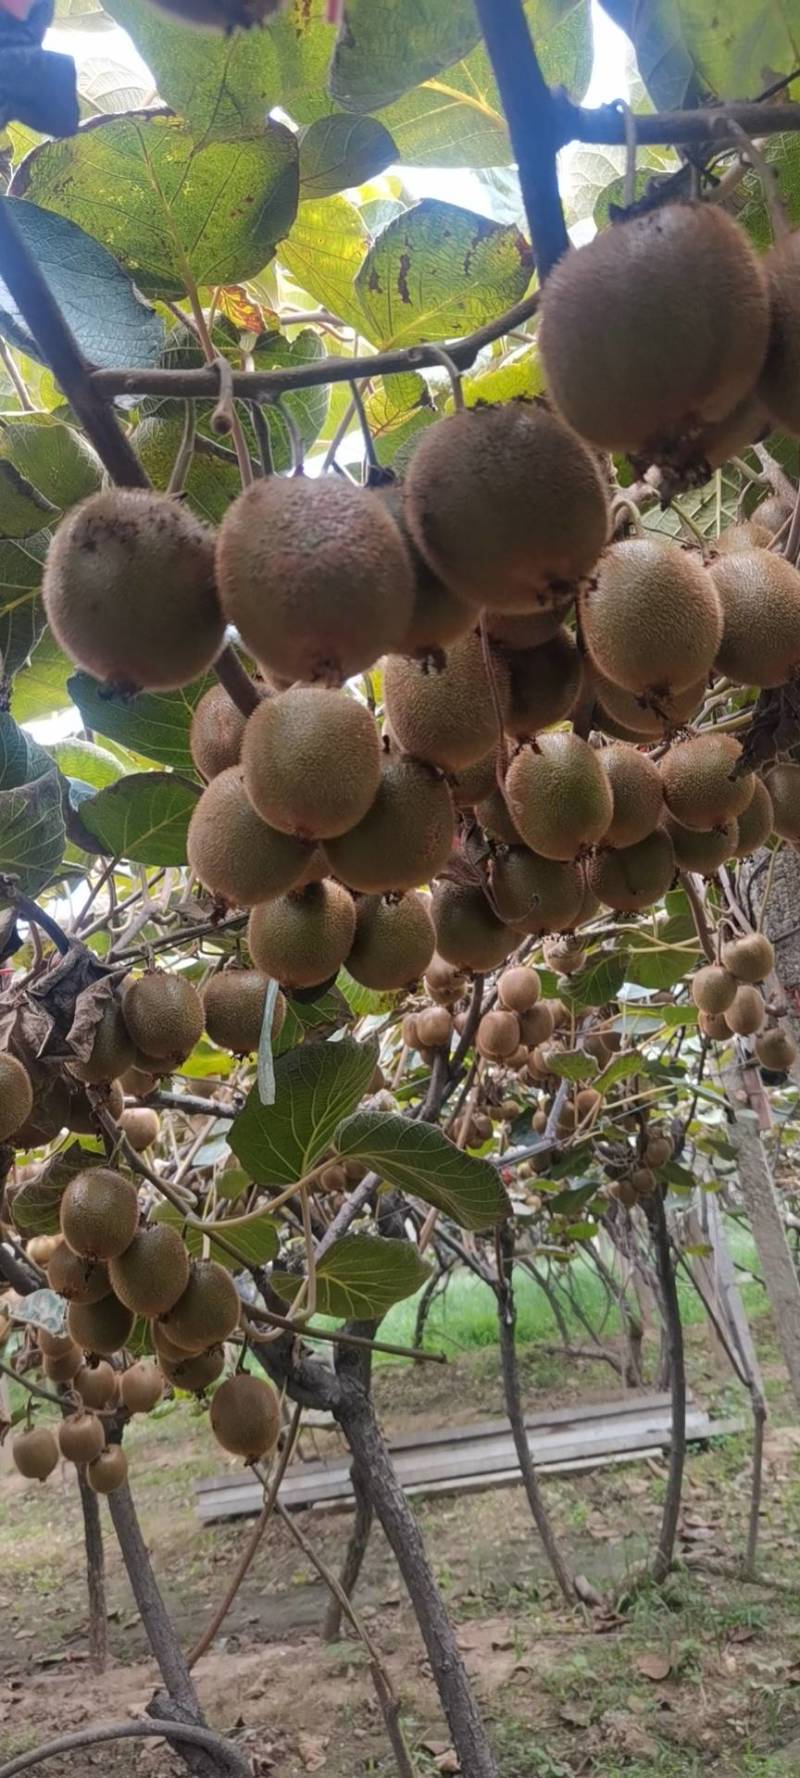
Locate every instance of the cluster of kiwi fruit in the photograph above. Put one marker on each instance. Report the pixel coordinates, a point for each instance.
(729, 995)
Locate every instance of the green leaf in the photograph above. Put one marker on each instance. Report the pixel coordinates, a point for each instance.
(82, 759)
(23, 510)
(153, 724)
(340, 151)
(657, 969)
(324, 251)
(364, 1001)
(224, 86)
(621, 1068)
(32, 833)
(575, 1065)
(730, 51)
(748, 202)
(438, 271)
(419, 1159)
(40, 687)
(518, 374)
(600, 981)
(256, 1243)
(362, 1276)
(144, 817)
(307, 407)
(106, 314)
(315, 1087)
(21, 613)
(56, 458)
(174, 212)
(111, 87)
(210, 487)
(312, 1017)
(385, 50)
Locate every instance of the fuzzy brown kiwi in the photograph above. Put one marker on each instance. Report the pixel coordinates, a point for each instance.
(53, 1345)
(433, 1027)
(207, 1311)
(537, 1025)
(749, 958)
(312, 761)
(526, 629)
(164, 1014)
(626, 363)
(746, 1013)
(394, 940)
(700, 851)
(498, 1035)
(652, 621)
(471, 785)
(216, 733)
(78, 1280)
(633, 877)
(545, 685)
(65, 1365)
(112, 1047)
(772, 514)
(628, 716)
(493, 816)
(779, 383)
(438, 615)
(444, 982)
(559, 795)
(756, 822)
(783, 784)
(468, 933)
(760, 594)
(406, 835)
(152, 1272)
(109, 1471)
(104, 585)
(637, 791)
(97, 1385)
(518, 989)
(713, 988)
(506, 504)
(141, 1387)
(167, 1351)
(16, 1095)
(315, 575)
(100, 1327)
(233, 1003)
(235, 853)
(81, 1437)
(739, 539)
(140, 1124)
(246, 1417)
(196, 1371)
(712, 1024)
(659, 1148)
(99, 1213)
(700, 790)
(535, 894)
(563, 952)
(776, 1048)
(446, 714)
(138, 1082)
(302, 939)
(35, 1453)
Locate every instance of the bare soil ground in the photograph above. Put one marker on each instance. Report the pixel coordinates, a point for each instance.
(699, 1680)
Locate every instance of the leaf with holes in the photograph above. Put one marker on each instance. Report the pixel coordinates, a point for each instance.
(315, 1087)
(418, 1158)
(362, 1276)
(112, 324)
(153, 724)
(144, 817)
(173, 211)
(437, 271)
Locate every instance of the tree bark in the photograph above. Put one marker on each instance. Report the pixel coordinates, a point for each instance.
(95, 1575)
(767, 1225)
(353, 1558)
(673, 1332)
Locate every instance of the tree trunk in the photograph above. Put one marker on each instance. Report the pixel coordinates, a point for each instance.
(769, 1233)
(353, 1558)
(95, 1575)
(673, 1335)
(781, 921)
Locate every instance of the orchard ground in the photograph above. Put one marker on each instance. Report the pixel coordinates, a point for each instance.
(700, 1680)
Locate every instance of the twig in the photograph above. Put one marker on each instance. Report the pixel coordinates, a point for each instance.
(338, 1337)
(183, 460)
(15, 379)
(532, 116)
(698, 915)
(36, 916)
(33, 1388)
(236, 680)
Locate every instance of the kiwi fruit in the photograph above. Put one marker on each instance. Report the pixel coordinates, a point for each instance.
(760, 594)
(746, 1013)
(246, 1417)
(468, 933)
(756, 822)
(772, 514)
(443, 981)
(702, 851)
(233, 1004)
(633, 877)
(394, 940)
(652, 620)
(332, 1179)
(776, 1049)
(54, 1345)
(164, 1014)
(637, 791)
(713, 988)
(406, 835)
(129, 590)
(81, 1114)
(141, 1387)
(78, 1280)
(62, 1367)
(737, 540)
(783, 785)
(627, 716)
(81, 1437)
(167, 1351)
(518, 989)
(207, 1311)
(112, 1047)
(235, 853)
(526, 629)
(100, 1327)
(493, 816)
(109, 1471)
(152, 1272)
(35, 1453)
(537, 1024)
(49, 1114)
(564, 953)
(312, 762)
(628, 362)
(216, 733)
(474, 783)
(433, 1028)
(141, 1125)
(498, 1035)
(302, 939)
(315, 575)
(559, 795)
(587, 1103)
(16, 1096)
(438, 615)
(99, 1213)
(446, 715)
(700, 790)
(712, 1024)
(97, 1385)
(749, 958)
(195, 1372)
(658, 1149)
(506, 505)
(535, 894)
(545, 685)
(779, 382)
(139, 1082)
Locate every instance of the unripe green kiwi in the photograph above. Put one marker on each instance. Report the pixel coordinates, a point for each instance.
(35, 1453)
(760, 594)
(99, 1213)
(164, 1014)
(652, 621)
(233, 1003)
(152, 1272)
(625, 363)
(702, 851)
(468, 933)
(112, 1047)
(535, 894)
(783, 784)
(216, 734)
(109, 1471)
(315, 575)
(446, 715)
(311, 761)
(207, 1311)
(506, 505)
(713, 988)
(100, 1327)
(16, 1095)
(235, 853)
(749, 958)
(637, 791)
(302, 939)
(633, 877)
(406, 835)
(394, 941)
(700, 789)
(545, 685)
(246, 1417)
(558, 795)
(105, 586)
